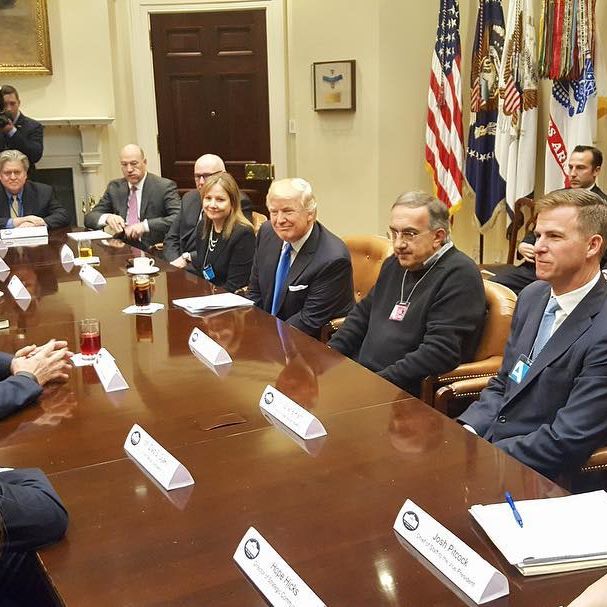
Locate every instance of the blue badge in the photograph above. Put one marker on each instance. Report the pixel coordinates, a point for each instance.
(520, 369)
(208, 272)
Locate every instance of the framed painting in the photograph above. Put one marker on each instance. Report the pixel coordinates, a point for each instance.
(24, 41)
(334, 85)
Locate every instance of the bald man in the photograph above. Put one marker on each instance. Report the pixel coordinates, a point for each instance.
(141, 206)
(180, 242)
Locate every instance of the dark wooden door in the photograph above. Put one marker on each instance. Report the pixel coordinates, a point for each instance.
(211, 77)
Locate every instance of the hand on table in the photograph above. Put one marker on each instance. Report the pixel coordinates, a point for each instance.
(48, 362)
(115, 223)
(135, 231)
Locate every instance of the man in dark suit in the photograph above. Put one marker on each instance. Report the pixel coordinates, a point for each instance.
(23, 376)
(301, 273)
(584, 167)
(141, 205)
(426, 312)
(25, 203)
(21, 133)
(546, 407)
(180, 242)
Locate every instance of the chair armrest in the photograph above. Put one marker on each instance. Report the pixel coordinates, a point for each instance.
(459, 393)
(597, 461)
(326, 331)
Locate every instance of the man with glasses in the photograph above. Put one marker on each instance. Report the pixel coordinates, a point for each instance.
(140, 207)
(25, 203)
(301, 273)
(180, 242)
(426, 312)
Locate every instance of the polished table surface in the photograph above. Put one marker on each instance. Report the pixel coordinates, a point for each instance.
(327, 506)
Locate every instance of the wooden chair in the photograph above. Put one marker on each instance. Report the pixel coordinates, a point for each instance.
(518, 221)
(368, 253)
(488, 357)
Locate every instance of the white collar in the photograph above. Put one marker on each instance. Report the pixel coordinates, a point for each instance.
(568, 301)
(139, 184)
(438, 254)
(298, 244)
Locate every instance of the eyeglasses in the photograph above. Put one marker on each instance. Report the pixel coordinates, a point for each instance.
(406, 235)
(204, 176)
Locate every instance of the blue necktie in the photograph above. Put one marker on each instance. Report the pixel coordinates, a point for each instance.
(543, 333)
(282, 269)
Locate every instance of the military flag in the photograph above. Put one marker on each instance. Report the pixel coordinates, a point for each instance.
(515, 141)
(482, 171)
(444, 128)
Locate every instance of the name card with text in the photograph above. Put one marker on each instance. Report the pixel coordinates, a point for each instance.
(271, 574)
(3, 250)
(292, 415)
(17, 289)
(91, 276)
(203, 346)
(156, 460)
(34, 232)
(108, 372)
(453, 558)
(4, 270)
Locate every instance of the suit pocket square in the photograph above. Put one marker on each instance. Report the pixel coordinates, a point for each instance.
(293, 288)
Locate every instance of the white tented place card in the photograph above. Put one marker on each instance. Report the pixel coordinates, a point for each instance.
(3, 250)
(154, 458)
(91, 235)
(108, 372)
(271, 574)
(292, 415)
(67, 255)
(83, 261)
(4, 270)
(17, 289)
(91, 276)
(14, 233)
(203, 346)
(453, 558)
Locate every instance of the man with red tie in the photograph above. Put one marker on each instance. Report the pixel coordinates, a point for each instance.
(141, 205)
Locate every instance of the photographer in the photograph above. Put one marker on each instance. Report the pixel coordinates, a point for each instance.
(17, 131)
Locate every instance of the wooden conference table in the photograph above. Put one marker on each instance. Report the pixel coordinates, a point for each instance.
(327, 506)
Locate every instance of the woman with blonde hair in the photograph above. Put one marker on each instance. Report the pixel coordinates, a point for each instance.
(226, 240)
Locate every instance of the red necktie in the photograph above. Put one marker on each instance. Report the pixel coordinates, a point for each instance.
(131, 214)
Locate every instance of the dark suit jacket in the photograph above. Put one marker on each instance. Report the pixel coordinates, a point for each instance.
(182, 235)
(557, 416)
(16, 391)
(28, 139)
(319, 284)
(38, 199)
(231, 260)
(160, 204)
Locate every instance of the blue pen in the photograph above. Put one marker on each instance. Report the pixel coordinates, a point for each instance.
(515, 512)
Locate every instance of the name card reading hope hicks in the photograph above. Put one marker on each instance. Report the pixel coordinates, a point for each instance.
(452, 557)
(168, 471)
(292, 415)
(108, 372)
(202, 345)
(271, 574)
(91, 276)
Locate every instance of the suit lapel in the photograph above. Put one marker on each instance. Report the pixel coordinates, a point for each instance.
(27, 200)
(192, 214)
(578, 322)
(145, 194)
(123, 198)
(4, 198)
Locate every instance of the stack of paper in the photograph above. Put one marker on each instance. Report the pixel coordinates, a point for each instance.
(220, 301)
(88, 235)
(558, 534)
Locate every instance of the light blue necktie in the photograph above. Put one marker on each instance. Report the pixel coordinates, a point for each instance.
(545, 328)
(282, 269)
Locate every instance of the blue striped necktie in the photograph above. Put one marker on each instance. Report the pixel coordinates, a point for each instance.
(282, 269)
(545, 328)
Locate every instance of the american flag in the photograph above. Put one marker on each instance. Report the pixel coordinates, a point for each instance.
(444, 129)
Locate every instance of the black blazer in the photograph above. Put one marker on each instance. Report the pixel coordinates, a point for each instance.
(160, 204)
(38, 199)
(28, 139)
(319, 284)
(182, 235)
(231, 260)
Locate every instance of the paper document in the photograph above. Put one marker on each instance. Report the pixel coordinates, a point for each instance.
(555, 530)
(88, 235)
(213, 302)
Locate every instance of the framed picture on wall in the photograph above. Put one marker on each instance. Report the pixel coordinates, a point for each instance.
(334, 85)
(24, 39)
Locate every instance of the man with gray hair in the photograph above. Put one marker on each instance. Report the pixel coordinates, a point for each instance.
(546, 407)
(426, 312)
(25, 203)
(301, 273)
(180, 242)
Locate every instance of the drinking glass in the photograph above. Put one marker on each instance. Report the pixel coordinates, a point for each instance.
(90, 338)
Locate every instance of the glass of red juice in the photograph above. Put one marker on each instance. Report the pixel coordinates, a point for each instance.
(90, 338)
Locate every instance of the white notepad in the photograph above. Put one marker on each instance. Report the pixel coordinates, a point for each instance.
(220, 301)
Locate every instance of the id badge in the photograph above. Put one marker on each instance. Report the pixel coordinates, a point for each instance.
(520, 369)
(208, 272)
(399, 311)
